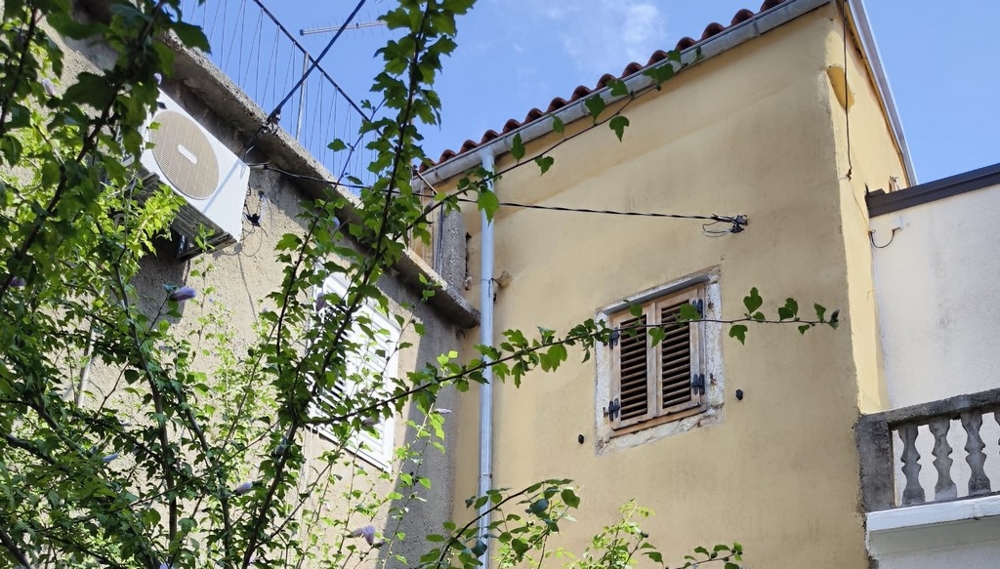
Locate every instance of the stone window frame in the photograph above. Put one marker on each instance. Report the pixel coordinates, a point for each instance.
(613, 435)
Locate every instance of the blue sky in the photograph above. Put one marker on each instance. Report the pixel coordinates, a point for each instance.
(517, 54)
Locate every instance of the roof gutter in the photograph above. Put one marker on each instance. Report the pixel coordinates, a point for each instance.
(870, 47)
(732, 37)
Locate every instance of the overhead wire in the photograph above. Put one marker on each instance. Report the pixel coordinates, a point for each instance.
(738, 222)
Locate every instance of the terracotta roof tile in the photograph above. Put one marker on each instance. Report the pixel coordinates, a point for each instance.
(712, 29)
(658, 55)
(742, 16)
(580, 92)
(557, 104)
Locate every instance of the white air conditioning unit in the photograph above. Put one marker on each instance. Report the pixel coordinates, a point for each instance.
(212, 180)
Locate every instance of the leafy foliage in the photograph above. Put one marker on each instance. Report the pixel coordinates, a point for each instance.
(194, 455)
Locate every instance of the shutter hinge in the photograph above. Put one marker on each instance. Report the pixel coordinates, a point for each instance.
(615, 335)
(699, 305)
(611, 411)
(698, 383)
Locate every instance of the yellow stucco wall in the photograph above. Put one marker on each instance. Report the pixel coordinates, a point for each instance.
(871, 164)
(751, 131)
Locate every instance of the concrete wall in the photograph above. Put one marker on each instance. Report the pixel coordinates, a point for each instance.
(243, 275)
(954, 534)
(749, 131)
(933, 284)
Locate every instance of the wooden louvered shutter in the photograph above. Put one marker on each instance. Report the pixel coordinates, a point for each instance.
(678, 357)
(654, 383)
(633, 373)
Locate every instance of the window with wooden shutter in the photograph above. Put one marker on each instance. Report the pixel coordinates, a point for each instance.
(653, 384)
(368, 369)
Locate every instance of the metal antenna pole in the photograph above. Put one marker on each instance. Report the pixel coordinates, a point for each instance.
(332, 29)
(306, 58)
(302, 96)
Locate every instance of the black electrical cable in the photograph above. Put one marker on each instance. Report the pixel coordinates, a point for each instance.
(739, 222)
(892, 236)
(847, 97)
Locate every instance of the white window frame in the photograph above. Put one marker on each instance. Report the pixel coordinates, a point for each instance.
(362, 444)
(612, 435)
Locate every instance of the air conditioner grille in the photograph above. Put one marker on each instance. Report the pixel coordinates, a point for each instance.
(184, 155)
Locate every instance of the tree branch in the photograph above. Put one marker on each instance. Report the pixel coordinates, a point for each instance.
(12, 547)
(29, 36)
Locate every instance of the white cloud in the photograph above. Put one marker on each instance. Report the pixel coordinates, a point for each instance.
(602, 36)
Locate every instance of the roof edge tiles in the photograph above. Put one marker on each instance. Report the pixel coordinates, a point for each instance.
(752, 22)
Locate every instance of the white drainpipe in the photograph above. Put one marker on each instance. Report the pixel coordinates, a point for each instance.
(486, 389)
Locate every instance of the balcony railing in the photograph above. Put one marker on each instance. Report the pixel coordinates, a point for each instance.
(907, 454)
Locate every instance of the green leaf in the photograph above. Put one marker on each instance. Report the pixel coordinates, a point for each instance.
(820, 311)
(753, 301)
(835, 319)
(288, 242)
(11, 149)
(595, 105)
(544, 163)
(660, 74)
(519, 546)
(90, 89)
(618, 88)
(517, 147)
(805, 328)
(192, 36)
(731, 565)
(656, 556)
(538, 506)
(656, 334)
(635, 310)
(738, 331)
(618, 125)
(557, 124)
(551, 359)
(479, 548)
(688, 313)
(488, 203)
(337, 145)
(789, 311)
(570, 498)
